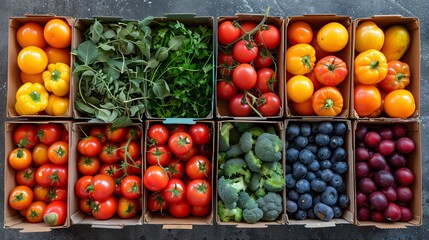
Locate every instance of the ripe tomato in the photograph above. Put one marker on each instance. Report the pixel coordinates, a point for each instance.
(180, 210)
(399, 104)
(134, 133)
(55, 213)
(244, 76)
(263, 60)
(174, 192)
(331, 71)
(368, 36)
(58, 152)
(30, 34)
(32, 60)
(89, 146)
(312, 76)
(33, 78)
(227, 32)
(109, 153)
(246, 27)
(245, 51)
(25, 135)
(200, 133)
(155, 179)
(206, 150)
(105, 209)
(239, 106)
(180, 143)
(156, 202)
(199, 192)
(158, 155)
(58, 194)
(20, 158)
(270, 105)
(115, 134)
(56, 55)
(266, 80)
(299, 32)
(175, 169)
(64, 134)
(225, 64)
(98, 132)
(198, 167)
(57, 33)
(113, 170)
(333, 37)
(304, 108)
(34, 212)
(41, 193)
(201, 211)
(85, 205)
(52, 175)
(320, 53)
(101, 188)
(81, 186)
(299, 88)
(133, 150)
(225, 90)
(398, 76)
(188, 155)
(300, 59)
(26, 177)
(158, 134)
(88, 165)
(177, 128)
(327, 101)
(20, 197)
(131, 187)
(134, 167)
(367, 99)
(49, 133)
(127, 208)
(268, 36)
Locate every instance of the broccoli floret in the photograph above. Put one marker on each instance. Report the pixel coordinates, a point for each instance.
(275, 183)
(252, 213)
(221, 157)
(228, 190)
(234, 151)
(253, 162)
(270, 169)
(256, 131)
(271, 205)
(224, 136)
(228, 215)
(256, 182)
(260, 192)
(246, 142)
(243, 126)
(271, 129)
(234, 136)
(235, 167)
(243, 200)
(268, 147)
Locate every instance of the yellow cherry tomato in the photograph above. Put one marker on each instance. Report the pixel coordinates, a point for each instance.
(333, 37)
(299, 88)
(368, 36)
(32, 60)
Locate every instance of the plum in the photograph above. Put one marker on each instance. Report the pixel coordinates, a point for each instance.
(399, 131)
(406, 214)
(361, 131)
(362, 170)
(392, 212)
(323, 212)
(390, 194)
(404, 194)
(404, 176)
(372, 139)
(386, 133)
(361, 199)
(397, 160)
(363, 214)
(386, 147)
(377, 216)
(405, 145)
(377, 162)
(367, 186)
(377, 201)
(362, 154)
(384, 179)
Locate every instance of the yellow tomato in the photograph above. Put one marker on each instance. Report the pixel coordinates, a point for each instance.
(32, 60)
(368, 36)
(299, 88)
(399, 104)
(333, 37)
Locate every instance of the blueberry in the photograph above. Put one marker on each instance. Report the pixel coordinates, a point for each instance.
(306, 156)
(340, 129)
(301, 141)
(324, 153)
(343, 201)
(340, 154)
(302, 186)
(305, 201)
(291, 206)
(310, 176)
(325, 164)
(341, 188)
(340, 167)
(292, 131)
(305, 129)
(292, 155)
(314, 166)
(314, 128)
(311, 138)
(317, 199)
(318, 173)
(322, 139)
(323, 212)
(288, 169)
(300, 215)
(299, 170)
(292, 195)
(310, 214)
(318, 185)
(329, 196)
(336, 181)
(290, 181)
(312, 147)
(326, 127)
(337, 211)
(327, 175)
(336, 142)
(293, 145)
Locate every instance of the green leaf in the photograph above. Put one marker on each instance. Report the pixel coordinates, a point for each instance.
(152, 63)
(106, 47)
(96, 31)
(108, 105)
(103, 114)
(134, 110)
(113, 116)
(161, 54)
(123, 121)
(81, 68)
(108, 34)
(161, 89)
(176, 42)
(87, 52)
(88, 73)
(103, 56)
(83, 107)
(122, 96)
(93, 100)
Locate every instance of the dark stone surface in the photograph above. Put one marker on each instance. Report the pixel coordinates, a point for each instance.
(138, 9)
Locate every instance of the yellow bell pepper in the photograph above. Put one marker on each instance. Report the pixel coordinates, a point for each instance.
(300, 59)
(57, 78)
(57, 106)
(370, 67)
(31, 98)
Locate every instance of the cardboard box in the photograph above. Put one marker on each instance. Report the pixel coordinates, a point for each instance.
(414, 162)
(76, 216)
(317, 22)
(349, 212)
(279, 127)
(14, 73)
(167, 221)
(12, 219)
(222, 108)
(411, 57)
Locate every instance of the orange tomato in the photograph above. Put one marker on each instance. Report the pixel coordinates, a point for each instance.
(299, 88)
(34, 212)
(399, 104)
(33, 78)
(367, 100)
(30, 34)
(58, 152)
(333, 37)
(20, 158)
(57, 33)
(327, 101)
(58, 55)
(40, 154)
(41, 193)
(299, 32)
(32, 60)
(304, 108)
(20, 197)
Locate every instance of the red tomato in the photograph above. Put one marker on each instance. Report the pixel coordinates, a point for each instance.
(52, 175)
(244, 76)
(175, 169)
(158, 155)
(105, 209)
(58, 152)
(239, 107)
(109, 153)
(155, 179)
(201, 211)
(245, 51)
(227, 32)
(81, 186)
(135, 133)
(180, 143)
(55, 213)
(268, 36)
(198, 167)
(188, 155)
(127, 208)
(41, 193)
(64, 134)
(135, 167)
(331, 71)
(49, 133)
(225, 90)
(200, 133)
(158, 134)
(133, 150)
(113, 170)
(101, 188)
(115, 134)
(88, 165)
(266, 80)
(25, 135)
(271, 104)
(58, 194)
(199, 192)
(156, 202)
(20, 197)
(247, 27)
(225, 64)
(34, 212)
(98, 132)
(316, 84)
(85, 205)
(89, 146)
(206, 150)
(174, 192)
(131, 187)
(177, 128)
(263, 60)
(180, 210)
(26, 177)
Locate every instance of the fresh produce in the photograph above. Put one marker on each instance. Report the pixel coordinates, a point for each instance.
(396, 42)
(250, 174)
(383, 176)
(57, 79)
(315, 184)
(332, 37)
(368, 36)
(370, 67)
(31, 98)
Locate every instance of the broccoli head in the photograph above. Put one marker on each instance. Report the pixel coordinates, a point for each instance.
(271, 205)
(260, 192)
(253, 162)
(224, 136)
(269, 169)
(243, 126)
(228, 190)
(268, 147)
(229, 215)
(236, 167)
(246, 142)
(252, 213)
(234, 151)
(270, 129)
(221, 157)
(256, 182)
(275, 183)
(244, 199)
(256, 131)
